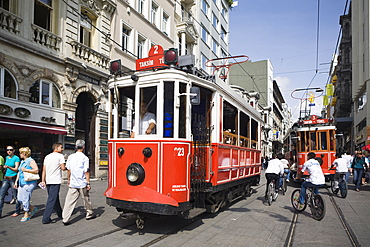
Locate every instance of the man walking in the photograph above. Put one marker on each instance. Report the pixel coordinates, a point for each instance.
(54, 163)
(78, 182)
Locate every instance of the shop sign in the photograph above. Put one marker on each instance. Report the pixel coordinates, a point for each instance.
(103, 162)
(88, 79)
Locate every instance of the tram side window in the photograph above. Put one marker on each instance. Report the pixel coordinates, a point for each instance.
(323, 141)
(244, 130)
(254, 134)
(332, 140)
(303, 141)
(182, 112)
(230, 123)
(126, 99)
(313, 141)
(168, 109)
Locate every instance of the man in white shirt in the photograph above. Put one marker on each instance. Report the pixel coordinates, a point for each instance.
(147, 122)
(349, 159)
(341, 168)
(54, 163)
(274, 170)
(78, 182)
(316, 178)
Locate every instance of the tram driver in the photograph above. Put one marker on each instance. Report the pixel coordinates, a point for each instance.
(147, 122)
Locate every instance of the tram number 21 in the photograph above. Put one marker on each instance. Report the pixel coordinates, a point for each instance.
(179, 151)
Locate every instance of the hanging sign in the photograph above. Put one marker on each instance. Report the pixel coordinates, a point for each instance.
(155, 59)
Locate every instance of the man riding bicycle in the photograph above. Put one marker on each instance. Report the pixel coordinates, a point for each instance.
(274, 170)
(341, 169)
(316, 176)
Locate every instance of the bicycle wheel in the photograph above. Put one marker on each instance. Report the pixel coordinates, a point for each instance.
(295, 201)
(270, 193)
(318, 209)
(343, 186)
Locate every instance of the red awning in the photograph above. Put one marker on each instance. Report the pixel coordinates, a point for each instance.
(28, 126)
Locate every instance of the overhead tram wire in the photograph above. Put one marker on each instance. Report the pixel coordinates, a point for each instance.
(259, 91)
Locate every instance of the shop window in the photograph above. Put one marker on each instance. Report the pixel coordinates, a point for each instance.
(45, 93)
(42, 13)
(8, 85)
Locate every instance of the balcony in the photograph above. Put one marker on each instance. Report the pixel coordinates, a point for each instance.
(89, 55)
(9, 21)
(187, 1)
(45, 38)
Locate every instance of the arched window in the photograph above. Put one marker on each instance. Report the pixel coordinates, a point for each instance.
(45, 93)
(8, 85)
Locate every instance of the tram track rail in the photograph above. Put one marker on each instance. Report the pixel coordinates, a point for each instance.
(350, 234)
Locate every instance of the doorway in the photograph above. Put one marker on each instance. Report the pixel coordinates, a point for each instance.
(85, 126)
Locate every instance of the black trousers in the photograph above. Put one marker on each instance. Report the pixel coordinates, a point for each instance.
(52, 203)
(272, 176)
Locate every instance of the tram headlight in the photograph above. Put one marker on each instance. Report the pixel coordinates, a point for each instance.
(135, 174)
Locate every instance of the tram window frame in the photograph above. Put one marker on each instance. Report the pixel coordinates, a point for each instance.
(312, 141)
(254, 134)
(168, 106)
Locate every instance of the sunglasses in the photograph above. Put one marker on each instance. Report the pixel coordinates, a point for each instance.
(9, 149)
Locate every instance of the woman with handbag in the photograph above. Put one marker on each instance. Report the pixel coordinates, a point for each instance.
(28, 170)
(358, 167)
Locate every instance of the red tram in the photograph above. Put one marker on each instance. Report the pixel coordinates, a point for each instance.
(314, 135)
(203, 153)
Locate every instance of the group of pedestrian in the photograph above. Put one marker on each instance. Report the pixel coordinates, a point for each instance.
(15, 169)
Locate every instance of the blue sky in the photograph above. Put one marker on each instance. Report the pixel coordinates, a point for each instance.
(285, 31)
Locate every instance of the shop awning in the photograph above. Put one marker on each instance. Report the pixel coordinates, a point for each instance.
(28, 126)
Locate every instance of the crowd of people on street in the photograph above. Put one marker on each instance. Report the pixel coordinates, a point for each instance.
(344, 164)
(20, 175)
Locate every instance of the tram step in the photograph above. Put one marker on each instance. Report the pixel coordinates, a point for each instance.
(195, 212)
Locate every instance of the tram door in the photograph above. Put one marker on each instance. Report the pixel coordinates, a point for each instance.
(200, 127)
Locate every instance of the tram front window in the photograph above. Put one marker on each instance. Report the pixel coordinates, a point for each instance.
(126, 100)
(147, 113)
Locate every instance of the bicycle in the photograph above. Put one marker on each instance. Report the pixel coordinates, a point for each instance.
(271, 194)
(343, 186)
(314, 201)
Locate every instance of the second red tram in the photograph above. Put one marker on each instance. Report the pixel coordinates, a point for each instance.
(314, 135)
(203, 152)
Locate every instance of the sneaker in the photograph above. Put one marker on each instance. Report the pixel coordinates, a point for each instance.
(287, 180)
(90, 217)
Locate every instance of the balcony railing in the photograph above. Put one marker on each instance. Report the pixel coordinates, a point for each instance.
(9, 21)
(89, 55)
(46, 38)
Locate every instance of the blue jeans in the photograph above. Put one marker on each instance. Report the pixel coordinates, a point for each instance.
(304, 186)
(357, 177)
(52, 203)
(4, 188)
(24, 195)
(287, 172)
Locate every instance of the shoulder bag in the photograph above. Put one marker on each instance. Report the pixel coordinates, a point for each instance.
(30, 176)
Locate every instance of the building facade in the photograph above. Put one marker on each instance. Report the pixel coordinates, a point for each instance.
(55, 60)
(360, 71)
